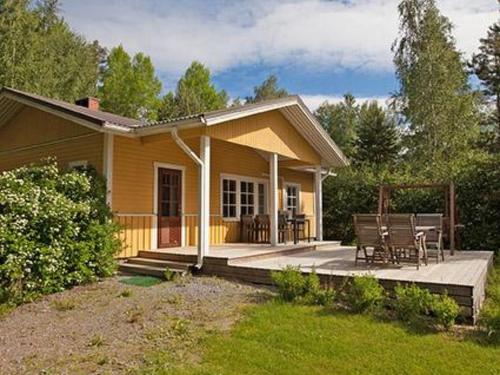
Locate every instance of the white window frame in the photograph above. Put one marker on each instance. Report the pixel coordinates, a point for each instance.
(285, 195)
(77, 164)
(238, 179)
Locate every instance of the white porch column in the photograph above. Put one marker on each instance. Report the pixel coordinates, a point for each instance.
(204, 222)
(318, 203)
(273, 187)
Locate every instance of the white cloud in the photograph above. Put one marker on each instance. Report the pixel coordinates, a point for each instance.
(313, 34)
(314, 101)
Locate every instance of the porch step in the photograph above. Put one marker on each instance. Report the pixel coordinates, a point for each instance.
(152, 267)
(184, 258)
(275, 253)
(160, 263)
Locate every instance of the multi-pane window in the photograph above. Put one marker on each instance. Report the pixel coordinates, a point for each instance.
(261, 199)
(229, 198)
(247, 201)
(292, 199)
(242, 196)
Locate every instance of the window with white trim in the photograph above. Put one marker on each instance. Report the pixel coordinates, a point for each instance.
(229, 193)
(247, 201)
(293, 198)
(242, 196)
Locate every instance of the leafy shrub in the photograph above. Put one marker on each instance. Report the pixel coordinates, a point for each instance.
(490, 313)
(445, 310)
(168, 275)
(364, 293)
(55, 230)
(290, 283)
(411, 302)
(295, 287)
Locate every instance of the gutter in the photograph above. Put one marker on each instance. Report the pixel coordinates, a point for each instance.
(184, 147)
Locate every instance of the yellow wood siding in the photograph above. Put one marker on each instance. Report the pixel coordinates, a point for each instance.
(133, 183)
(135, 235)
(268, 131)
(33, 135)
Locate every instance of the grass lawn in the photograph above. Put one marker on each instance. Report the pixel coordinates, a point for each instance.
(286, 339)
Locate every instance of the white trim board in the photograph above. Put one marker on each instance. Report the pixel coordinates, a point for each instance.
(154, 226)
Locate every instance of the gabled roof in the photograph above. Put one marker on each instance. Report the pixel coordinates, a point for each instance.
(292, 108)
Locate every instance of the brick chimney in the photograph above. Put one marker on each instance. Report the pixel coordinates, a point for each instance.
(89, 102)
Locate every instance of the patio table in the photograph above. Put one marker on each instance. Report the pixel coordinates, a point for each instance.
(294, 222)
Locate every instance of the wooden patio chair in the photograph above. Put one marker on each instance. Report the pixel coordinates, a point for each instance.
(369, 235)
(283, 228)
(433, 238)
(302, 223)
(247, 228)
(403, 237)
(262, 227)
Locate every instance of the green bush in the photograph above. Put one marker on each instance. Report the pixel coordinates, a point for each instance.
(295, 287)
(490, 313)
(412, 303)
(55, 230)
(445, 310)
(364, 293)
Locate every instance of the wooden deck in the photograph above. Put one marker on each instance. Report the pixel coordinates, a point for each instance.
(463, 276)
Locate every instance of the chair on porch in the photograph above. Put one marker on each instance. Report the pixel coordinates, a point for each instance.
(403, 237)
(247, 229)
(283, 227)
(433, 237)
(262, 228)
(369, 235)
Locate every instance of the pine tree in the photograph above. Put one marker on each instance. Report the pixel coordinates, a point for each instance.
(267, 90)
(434, 95)
(129, 86)
(341, 121)
(378, 139)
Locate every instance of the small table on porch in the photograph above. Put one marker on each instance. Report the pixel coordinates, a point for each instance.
(294, 221)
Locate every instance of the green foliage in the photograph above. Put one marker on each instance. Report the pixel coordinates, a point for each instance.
(295, 287)
(130, 87)
(486, 65)
(39, 53)
(478, 199)
(55, 231)
(434, 96)
(411, 302)
(268, 89)
(364, 293)
(168, 275)
(341, 122)
(378, 139)
(490, 313)
(445, 310)
(195, 93)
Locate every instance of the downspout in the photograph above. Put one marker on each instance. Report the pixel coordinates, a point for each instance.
(199, 162)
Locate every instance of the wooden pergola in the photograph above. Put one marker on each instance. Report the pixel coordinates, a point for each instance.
(450, 219)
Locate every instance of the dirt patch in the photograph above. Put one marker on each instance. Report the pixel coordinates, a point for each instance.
(109, 327)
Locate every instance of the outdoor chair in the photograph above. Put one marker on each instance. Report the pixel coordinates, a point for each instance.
(433, 237)
(403, 237)
(369, 236)
(301, 223)
(247, 228)
(262, 227)
(283, 228)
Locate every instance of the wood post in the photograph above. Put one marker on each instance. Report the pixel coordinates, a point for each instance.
(273, 182)
(452, 218)
(318, 199)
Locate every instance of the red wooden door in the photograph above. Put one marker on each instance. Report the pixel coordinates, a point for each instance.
(169, 207)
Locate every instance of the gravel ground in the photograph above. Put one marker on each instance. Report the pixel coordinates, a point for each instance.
(110, 327)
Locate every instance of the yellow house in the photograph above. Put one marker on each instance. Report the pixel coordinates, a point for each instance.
(186, 181)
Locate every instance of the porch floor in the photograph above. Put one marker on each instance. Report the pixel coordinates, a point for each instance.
(463, 276)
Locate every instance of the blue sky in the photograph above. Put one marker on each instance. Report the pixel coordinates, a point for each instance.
(318, 49)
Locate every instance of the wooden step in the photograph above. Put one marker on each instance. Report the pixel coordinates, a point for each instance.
(152, 254)
(273, 254)
(141, 269)
(160, 263)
